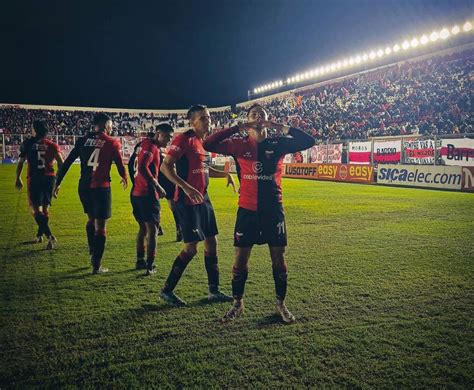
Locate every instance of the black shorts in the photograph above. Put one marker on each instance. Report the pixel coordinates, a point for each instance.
(96, 201)
(260, 227)
(146, 208)
(196, 222)
(40, 190)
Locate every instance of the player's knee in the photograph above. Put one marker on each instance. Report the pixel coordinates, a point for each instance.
(191, 250)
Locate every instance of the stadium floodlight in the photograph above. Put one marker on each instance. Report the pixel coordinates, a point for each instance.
(444, 33)
(424, 40)
(467, 27)
(288, 80)
(365, 57)
(328, 68)
(281, 83)
(351, 61)
(297, 77)
(414, 42)
(358, 59)
(306, 75)
(455, 30)
(345, 62)
(338, 64)
(372, 55)
(405, 45)
(388, 50)
(379, 53)
(434, 36)
(396, 48)
(333, 67)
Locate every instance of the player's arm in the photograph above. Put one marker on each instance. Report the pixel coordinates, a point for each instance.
(65, 167)
(144, 169)
(169, 170)
(218, 142)
(59, 158)
(216, 173)
(298, 140)
(19, 170)
(120, 167)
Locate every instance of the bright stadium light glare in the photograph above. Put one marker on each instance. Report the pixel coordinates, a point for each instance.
(396, 48)
(424, 40)
(467, 27)
(414, 42)
(434, 36)
(333, 67)
(255, 90)
(316, 72)
(365, 57)
(351, 61)
(345, 62)
(297, 77)
(306, 75)
(328, 68)
(405, 45)
(372, 55)
(379, 53)
(338, 65)
(444, 33)
(455, 30)
(388, 50)
(358, 59)
(281, 83)
(322, 70)
(288, 80)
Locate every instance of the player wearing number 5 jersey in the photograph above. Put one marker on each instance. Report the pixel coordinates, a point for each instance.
(260, 218)
(40, 154)
(96, 150)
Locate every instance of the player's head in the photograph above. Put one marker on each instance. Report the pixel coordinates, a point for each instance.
(163, 135)
(200, 119)
(256, 113)
(102, 122)
(40, 129)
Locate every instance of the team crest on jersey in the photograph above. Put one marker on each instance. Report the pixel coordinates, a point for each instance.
(247, 155)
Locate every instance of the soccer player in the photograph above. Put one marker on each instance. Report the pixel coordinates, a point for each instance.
(143, 167)
(40, 154)
(260, 217)
(96, 150)
(193, 206)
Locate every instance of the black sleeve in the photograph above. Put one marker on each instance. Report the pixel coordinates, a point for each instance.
(299, 140)
(75, 152)
(24, 148)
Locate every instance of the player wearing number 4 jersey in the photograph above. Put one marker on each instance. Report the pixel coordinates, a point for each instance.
(96, 150)
(40, 154)
(260, 218)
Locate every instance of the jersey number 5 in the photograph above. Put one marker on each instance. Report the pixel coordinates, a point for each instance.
(41, 162)
(94, 159)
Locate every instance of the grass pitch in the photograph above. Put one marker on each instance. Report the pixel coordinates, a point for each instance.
(381, 283)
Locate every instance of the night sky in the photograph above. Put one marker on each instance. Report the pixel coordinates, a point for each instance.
(171, 54)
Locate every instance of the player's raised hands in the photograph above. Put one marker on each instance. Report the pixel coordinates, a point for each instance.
(19, 184)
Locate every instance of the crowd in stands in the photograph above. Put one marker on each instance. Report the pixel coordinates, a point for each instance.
(429, 97)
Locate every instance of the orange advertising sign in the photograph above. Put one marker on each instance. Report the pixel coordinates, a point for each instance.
(336, 172)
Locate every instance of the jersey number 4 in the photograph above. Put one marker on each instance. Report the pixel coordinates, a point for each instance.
(94, 159)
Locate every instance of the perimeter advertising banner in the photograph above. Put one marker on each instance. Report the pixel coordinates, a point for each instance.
(458, 151)
(334, 172)
(420, 151)
(468, 179)
(326, 154)
(432, 176)
(359, 152)
(387, 151)
(128, 144)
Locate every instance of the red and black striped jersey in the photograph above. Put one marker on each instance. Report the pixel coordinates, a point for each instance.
(96, 151)
(192, 163)
(40, 154)
(259, 165)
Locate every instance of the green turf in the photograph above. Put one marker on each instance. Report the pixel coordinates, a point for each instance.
(381, 283)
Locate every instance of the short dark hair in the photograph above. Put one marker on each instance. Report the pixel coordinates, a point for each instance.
(195, 108)
(165, 128)
(100, 119)
(40, 127)
(254, 106)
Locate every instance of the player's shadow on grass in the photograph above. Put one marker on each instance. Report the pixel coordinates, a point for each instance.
(25, 243)
(270, 320)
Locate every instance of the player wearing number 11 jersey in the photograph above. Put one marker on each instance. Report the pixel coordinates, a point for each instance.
(96, 150)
